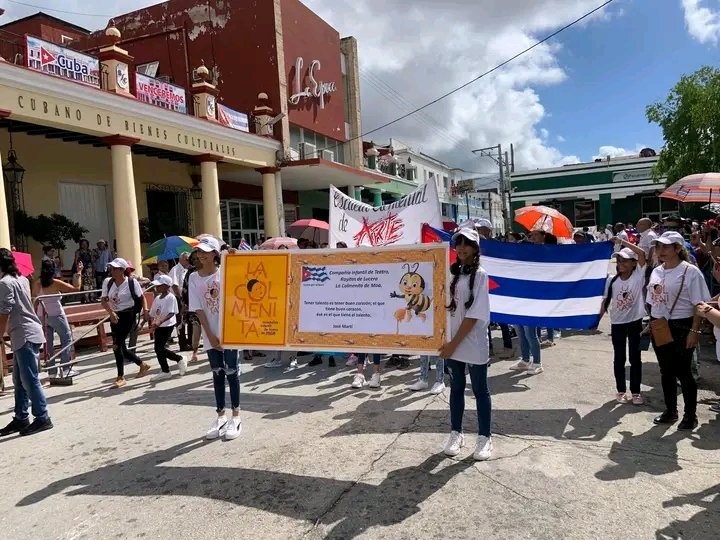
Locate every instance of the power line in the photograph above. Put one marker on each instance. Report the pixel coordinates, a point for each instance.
(44, 8)
(482, 75)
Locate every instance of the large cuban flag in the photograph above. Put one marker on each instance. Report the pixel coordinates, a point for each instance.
(545, 285)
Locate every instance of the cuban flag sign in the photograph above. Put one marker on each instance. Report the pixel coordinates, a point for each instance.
(554, 286)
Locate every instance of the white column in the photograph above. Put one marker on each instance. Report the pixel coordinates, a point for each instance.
(280, 204)
(270, 206)
(4, 218)
(127, 228)
(351, 192)
(210, 199)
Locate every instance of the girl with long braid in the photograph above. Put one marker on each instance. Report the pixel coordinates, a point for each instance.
(468, 348)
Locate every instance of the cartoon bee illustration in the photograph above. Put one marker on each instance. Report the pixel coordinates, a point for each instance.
(412, 288)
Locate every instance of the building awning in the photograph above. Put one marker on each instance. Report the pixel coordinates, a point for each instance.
(396, 187)
(317, 173)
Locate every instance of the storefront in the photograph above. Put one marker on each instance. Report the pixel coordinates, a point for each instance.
(127, 171)
(596, 194)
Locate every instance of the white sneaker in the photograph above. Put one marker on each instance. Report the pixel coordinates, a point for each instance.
(293, 363)
(162, 376)
(217, 429)
(484, 447)
(374, 381)
(359, 381)
(535, 369)
(438, 388)
(352, 360)
(420, 384)
(182, 367)
(520, 365)
(274, 363)
(454, 444)
(234, 427)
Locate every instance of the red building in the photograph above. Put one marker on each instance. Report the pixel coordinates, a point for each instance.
(278, 50)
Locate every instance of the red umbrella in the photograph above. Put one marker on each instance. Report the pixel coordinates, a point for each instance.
(24, 263)
(545, 219)
(312, 229)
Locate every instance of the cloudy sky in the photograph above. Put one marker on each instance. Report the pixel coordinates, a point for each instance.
(579, 96)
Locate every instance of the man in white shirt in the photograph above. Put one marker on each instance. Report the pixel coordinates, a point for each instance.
(647, 235)
(177, 275)
(621, 234)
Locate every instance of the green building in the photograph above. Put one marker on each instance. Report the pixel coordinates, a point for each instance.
(595, 194)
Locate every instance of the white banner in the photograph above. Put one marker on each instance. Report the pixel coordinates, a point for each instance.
(399, 223)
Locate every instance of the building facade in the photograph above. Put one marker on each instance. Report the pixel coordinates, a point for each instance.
(596, 194)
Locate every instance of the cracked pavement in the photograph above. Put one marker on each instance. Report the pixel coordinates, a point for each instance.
(317, 459)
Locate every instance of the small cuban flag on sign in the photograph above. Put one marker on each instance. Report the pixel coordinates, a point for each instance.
(315, 273)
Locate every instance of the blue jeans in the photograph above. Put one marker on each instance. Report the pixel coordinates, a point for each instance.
(225, 363)
(362, 356)
(60, 325)
(439, 368)
(478, 380)
(550, 334)
(27, 383)
(529, 343)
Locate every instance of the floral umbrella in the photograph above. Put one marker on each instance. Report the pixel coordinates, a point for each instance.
(545, 219)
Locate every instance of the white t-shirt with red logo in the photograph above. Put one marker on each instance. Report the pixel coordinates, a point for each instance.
(626, 303)
(204, 295)
(162, 307)
(664, 286)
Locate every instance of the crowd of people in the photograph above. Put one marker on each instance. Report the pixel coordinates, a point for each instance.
(660, 293)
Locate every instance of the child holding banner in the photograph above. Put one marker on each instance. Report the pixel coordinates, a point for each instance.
(468, 348)
(204, 300)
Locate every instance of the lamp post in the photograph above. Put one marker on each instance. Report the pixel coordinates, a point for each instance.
(13, 174)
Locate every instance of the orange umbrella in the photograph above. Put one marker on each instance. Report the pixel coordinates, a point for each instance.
(545, 219)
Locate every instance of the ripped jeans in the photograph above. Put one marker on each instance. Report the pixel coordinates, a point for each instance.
(225, 363)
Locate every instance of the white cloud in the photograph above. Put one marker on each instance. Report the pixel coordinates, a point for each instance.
(615, 151)
(560, 139)
(702, 21)
(424, 48)
(544, 133)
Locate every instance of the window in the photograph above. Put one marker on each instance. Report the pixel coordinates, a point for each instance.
(585, 213)
(240, 220)
(150, 69)
(445, 182)
(657, 208)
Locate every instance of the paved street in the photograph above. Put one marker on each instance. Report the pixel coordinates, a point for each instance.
(319, 460)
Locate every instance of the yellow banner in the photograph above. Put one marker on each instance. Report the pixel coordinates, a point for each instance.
(255, 295)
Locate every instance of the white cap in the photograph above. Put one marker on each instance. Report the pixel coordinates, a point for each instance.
(119, 263)
(208, 244)
(467, 232)
(627, 253)
(482, 222)
(670, 237)
(163, 280)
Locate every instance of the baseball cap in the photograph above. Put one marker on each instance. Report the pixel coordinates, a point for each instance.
(119, 263)
(162, 280)
(208, 244)
(482, 222)
(670, 237)
(627, 253)
(467, 232)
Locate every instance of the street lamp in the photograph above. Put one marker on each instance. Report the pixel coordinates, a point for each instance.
(196, 190)
(12, 170)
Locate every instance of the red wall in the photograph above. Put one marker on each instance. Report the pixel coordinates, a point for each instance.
(307, 35)
(12, 35)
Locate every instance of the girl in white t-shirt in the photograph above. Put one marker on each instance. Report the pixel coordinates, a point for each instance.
(163, 318)
(468, 348)
(625, 302)
(204, 300)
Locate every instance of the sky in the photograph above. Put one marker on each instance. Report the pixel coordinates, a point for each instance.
(576, 97)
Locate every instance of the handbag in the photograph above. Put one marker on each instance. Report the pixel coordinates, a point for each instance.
(660, 328)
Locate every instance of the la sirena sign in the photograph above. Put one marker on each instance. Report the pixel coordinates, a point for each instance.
(315, 89)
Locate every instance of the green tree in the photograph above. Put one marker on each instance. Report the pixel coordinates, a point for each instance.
(690, 121)
(52, 230)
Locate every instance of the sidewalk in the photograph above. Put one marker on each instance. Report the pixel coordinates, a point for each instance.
(317, 459)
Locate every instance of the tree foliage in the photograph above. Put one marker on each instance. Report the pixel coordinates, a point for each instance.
(690, 121)
(52, 230)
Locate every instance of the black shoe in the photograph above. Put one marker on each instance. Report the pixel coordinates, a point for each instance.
(404, 363)
(37, 426)
(666, 418)
(688, 423)
(14, 427)
(393, 361)
(331, 361)
(316, 361)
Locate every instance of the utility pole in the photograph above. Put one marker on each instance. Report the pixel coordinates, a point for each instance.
(504, 187)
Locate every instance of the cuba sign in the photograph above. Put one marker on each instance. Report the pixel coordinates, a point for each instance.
(314, 89)
(60, 62)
